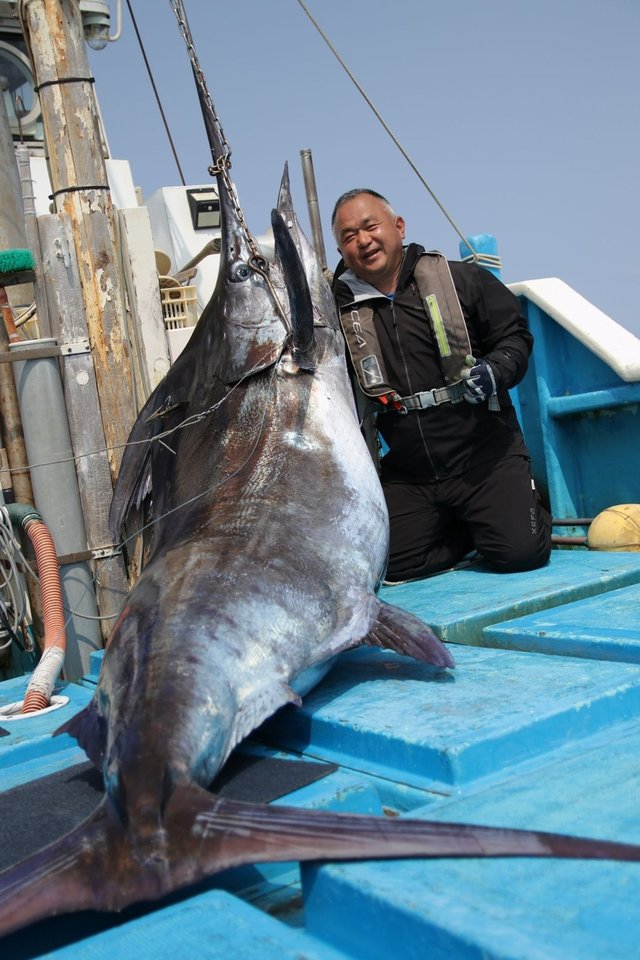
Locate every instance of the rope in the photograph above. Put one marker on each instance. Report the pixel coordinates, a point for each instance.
(221, 157)
(217, 483)
(9, 548)
(13, 548)
(17, 600)
(160, 437)
(384, 124)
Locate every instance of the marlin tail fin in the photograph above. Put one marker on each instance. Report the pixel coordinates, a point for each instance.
(67, 875)
(94, 867)
(230, 833)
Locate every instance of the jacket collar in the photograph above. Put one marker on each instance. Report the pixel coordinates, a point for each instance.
(361, 290)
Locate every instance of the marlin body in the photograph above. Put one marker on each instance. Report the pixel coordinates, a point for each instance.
(266, 538)
(269, 540)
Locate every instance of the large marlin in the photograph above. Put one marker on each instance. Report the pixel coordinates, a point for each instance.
(267, 538)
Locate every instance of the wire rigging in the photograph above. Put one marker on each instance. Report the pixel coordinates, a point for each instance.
(179, 9)
(386, 126)
(156, 94)
(14, 600)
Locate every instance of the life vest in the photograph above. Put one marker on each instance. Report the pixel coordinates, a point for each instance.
(442, 307)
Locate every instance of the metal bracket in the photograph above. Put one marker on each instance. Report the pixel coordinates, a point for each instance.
(73, 347)
(62, 248)
(99, 553)
(103, 553)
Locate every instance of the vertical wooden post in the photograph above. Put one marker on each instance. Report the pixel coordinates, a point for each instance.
(81, 394)
(53, 30)
(98, 386)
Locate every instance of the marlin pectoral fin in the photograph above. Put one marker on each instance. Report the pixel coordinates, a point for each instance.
(88, 728)
(162, 412)
(263, 703)
(401, 631)
(228, 833)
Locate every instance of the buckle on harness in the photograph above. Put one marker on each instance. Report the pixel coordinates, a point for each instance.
(434, 397)
(391, 401)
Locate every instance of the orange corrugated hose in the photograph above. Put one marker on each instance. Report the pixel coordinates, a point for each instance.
(38, 695)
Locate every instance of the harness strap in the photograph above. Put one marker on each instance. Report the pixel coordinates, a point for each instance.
(443, 310)
(434, 397)
(441, 303)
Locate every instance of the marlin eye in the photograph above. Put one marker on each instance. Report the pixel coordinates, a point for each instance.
(239, 271)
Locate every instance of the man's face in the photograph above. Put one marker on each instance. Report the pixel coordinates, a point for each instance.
(370, 241)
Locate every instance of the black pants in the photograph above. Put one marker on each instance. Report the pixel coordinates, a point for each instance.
(494, 508)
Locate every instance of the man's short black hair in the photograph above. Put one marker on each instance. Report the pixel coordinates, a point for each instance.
(351, 195)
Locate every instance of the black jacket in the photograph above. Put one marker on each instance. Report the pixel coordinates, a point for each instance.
(444, 441)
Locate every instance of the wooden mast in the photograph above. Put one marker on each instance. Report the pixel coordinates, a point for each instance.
(87, 317)
(53, 29)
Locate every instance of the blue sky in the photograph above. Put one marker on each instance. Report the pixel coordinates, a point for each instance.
(522, 115)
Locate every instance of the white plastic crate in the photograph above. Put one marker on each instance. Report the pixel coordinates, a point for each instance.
(179, 307)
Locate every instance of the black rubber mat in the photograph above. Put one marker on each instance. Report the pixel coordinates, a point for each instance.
(38, 812)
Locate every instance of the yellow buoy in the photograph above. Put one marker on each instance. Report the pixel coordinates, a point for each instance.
(616, 528)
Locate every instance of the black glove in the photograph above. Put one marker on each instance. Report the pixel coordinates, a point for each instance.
(479, 383)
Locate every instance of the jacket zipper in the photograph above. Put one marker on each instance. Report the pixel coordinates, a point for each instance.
(411, 391)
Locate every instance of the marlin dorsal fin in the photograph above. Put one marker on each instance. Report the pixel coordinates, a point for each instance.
(299, 295)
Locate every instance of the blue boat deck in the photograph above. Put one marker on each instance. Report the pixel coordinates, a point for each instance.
(537, 728)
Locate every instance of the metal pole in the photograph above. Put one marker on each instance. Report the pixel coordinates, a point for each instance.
(571, 521)
(57, 499)
(312, 205)
(12, 236)
(12, 229)
(66, 313)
